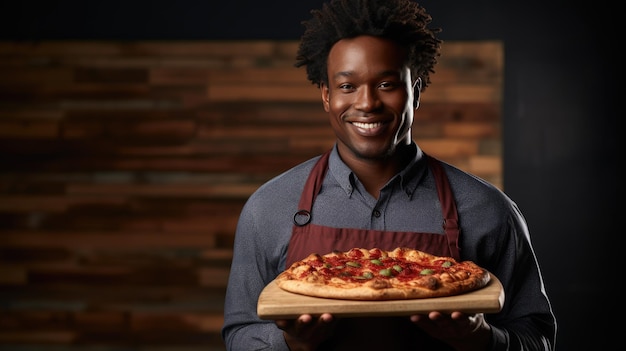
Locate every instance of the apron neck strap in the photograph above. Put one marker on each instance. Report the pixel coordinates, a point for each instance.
(448, 205)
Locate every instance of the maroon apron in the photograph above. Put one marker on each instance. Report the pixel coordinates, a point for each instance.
(394, 333)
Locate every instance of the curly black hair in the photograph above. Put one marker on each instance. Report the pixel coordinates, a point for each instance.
(403, 21)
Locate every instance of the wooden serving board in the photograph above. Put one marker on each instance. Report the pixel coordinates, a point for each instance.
(276, 303)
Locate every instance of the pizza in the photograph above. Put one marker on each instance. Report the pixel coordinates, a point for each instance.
(375, 274)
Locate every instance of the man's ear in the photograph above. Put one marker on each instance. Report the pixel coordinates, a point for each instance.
(325, 96)
(417, 90)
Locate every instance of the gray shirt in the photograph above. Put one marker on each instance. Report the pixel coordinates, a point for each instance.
(493, 234)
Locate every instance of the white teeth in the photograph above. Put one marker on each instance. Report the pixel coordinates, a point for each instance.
(367, 125)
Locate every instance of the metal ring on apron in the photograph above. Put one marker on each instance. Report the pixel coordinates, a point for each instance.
(302, 218)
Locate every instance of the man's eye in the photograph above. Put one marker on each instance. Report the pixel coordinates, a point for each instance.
(345, 87)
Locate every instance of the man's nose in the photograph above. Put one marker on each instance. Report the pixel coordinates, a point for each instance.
(366, 99)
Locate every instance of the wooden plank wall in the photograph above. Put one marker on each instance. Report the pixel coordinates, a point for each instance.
(124, 166)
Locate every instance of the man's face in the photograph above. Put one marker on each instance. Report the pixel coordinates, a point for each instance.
(369, 97)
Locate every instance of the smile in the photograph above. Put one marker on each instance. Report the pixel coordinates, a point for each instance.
(367, 125)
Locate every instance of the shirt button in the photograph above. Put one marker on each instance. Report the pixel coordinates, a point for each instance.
(376, 213)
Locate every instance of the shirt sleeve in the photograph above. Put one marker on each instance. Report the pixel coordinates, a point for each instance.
(526, 321)
(251, 269)
(259, 251)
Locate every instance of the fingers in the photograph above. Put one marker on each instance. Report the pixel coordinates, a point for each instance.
(306, 331)
(306, 326)
(294, 324)
(427, 318)
(446, 326)
(438, 316)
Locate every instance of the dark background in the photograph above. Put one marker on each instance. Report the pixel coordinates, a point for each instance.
(560, 130)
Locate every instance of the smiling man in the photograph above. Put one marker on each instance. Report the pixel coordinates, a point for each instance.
(371, 60)
(369, 97)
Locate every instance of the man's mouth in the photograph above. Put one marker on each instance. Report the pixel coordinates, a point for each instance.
(367, 125)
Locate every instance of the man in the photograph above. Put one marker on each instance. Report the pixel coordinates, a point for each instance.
(371, 60)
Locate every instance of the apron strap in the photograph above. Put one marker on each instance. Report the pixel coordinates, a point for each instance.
(311, 189)
(448, 206)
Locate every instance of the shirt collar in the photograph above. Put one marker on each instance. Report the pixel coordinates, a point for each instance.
(410, 176)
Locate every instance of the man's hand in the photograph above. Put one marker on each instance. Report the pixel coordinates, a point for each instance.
(306, 332)
(464, 332)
